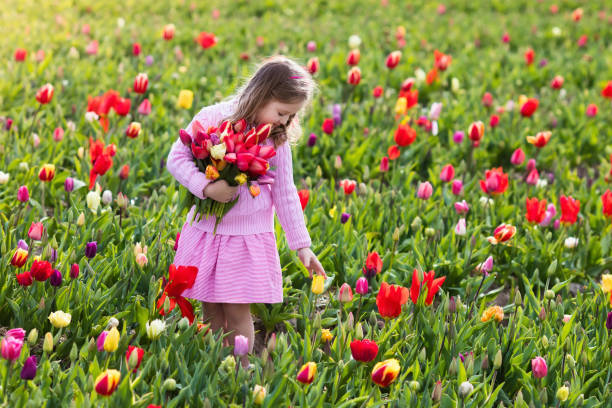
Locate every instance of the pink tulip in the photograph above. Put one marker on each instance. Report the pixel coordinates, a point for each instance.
(539, 367)
(17, 333)
(460, 228)
(447, 173)
(36, 231)
(551, 211)
(435, 110)
(311, 46)
(101, 339)
(591, 110)
(424, 191)
(531, 164)
(486, 266)
(533, 177)
(11, 348)
(361, 286)
(345, 293)
(518, 157)
(58, 134)
(462, 207)
(23, 194)
(457, 187)
(145, 107)
(92, 48)
(384, 164)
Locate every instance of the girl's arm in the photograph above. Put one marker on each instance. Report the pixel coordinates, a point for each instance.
(180, 161)
(287, 202)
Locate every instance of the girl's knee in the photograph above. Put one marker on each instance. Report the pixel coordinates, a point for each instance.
(212, 308)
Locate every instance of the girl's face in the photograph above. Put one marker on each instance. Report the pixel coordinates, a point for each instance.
(277, 113)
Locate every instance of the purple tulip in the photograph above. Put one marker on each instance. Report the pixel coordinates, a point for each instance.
(53, 255)
(22, 244)
(69, 184)
(241, 345)
(91, 249)
(74, 271)
(344, 217)
(56, 278)
(312, 140)
(28, 372)
(149, 60)
(23, 194)
(609, 321)
(543, 62)
(361, 286)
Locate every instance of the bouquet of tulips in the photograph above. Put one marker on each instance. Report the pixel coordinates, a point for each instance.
(232, 152)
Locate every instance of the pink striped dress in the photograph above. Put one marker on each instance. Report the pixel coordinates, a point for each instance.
(240, 263)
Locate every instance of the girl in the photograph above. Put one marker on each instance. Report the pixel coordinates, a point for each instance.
(240, 265)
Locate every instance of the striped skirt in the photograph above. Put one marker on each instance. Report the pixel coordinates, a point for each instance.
(231, 268)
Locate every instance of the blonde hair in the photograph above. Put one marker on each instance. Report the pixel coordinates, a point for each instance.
(282, 79)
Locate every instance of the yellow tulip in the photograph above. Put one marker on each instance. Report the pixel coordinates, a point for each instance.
(493, 312)
(401, 106)
(317, 284)
(185, 99)
(259, 394)
(111, 342)
(60, 319)
(326, 335)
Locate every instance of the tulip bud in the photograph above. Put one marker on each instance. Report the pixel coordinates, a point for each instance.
(48, 343)
(33, 336)
(415, 386)
(584, 358)
(423, 355)
(497, 362)
(436, 394)
(544, 396)
(74, 352)
(484, 365)
(167, 305)
(183, 324)
(107, 197)
(416, 222)
(81, 220)
(571, 363)
(169, 384)
(396, 234)
(74, 271)
(518, 400)
(452, 369)
(579, 401)
(430, 232)
(271, 343)
(544, 342)
(542, 315)
(350, 321)
(518, 300)
(359, 331)
(549, 294)
(465, 389)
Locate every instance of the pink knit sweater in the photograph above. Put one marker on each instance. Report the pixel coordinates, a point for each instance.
(249, 215)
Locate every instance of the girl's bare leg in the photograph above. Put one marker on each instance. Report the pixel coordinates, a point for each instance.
(240, 321)
(215, 316)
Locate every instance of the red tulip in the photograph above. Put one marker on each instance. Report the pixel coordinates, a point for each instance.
(384, 164)
(168, 32)
(441, 61)
(180, 278)
(393, 59)
(385, 372)
(354, 76)
(529, 107)
(19, 257)
(122, 106)
(45, 94)
(404, 135)
(476, 132)
(107, 382)
(606, 92)
(41, 270)
(307, 373)
(353, 57)
(496, 181)
(125, 172)
(393, 152)
(606, 201)
(487, 99)
(304, 195)
(141, 83)
(136, 49)
(206, 40)
(133, 130)
(139, 354)
(24, 279)
(377, 92)
(313, 65)
(373, 265)
(540, 139)
(364, 350)
(529, 56)
(569, 210)
(494, 121)
(348, 185)
(503, 233)
(20, 54)
(536, 210)
(390, 299)
(447, 173)
(557, 82)
(432, 285)
(328, 126)
(47, 172)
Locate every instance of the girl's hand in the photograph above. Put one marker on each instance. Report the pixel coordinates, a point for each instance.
(310, 261)
(220, 191)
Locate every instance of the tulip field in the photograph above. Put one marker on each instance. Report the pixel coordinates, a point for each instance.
(455, 175)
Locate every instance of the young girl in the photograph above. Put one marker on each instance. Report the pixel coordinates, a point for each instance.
(240, 265)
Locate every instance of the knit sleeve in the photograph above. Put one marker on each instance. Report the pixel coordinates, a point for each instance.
(287, 202)
(180, 161)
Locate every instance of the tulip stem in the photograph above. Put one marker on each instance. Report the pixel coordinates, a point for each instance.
(34, 119)
(476, 296)
(42, 200)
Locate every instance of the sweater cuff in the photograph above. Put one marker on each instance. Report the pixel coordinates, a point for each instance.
(197, 185)
(297, 239)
